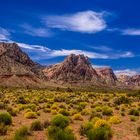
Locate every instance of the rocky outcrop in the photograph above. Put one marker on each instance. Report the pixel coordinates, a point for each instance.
(15, 64)
(17, 69)
(131, 81)
(106, 75)
(75, 68)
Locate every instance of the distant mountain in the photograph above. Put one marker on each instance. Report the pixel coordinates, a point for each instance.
(75, 68)
(78, 69)
(131, 81)
(17, 69)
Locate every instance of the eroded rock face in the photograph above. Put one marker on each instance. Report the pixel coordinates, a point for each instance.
(13, 51)
(127, 80)
(74, 68)
(107, 75)
(14, 64)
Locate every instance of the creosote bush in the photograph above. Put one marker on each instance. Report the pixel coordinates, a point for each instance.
(60, 121)
(59, 129)
(21, 133)
(114, 120)
(5, 118)
(134, 112)
(36, 126)
(98, 131)
(30, 115)
(3, 129)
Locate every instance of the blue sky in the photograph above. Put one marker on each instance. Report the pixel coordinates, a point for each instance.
(108, 32)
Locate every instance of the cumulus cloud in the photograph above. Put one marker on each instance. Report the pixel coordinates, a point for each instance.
(128, 72)
(4, 34)
(41, 52)
(132, 32)
(38, 32)
(85, 22)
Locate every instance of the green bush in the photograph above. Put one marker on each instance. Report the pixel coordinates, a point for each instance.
(56, 133)
(21, 133)
(98, 131)
(59, 129)
(85, 128)
(3, 129)
(5, 118)
(107, 111)
(64, 112)
(102, 133)
(30, 115)
(138, 130)
(36, 126)
(133, 118)
(60, 121)
(134, 112)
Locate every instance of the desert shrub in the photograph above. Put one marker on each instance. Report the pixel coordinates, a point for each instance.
(30, 115)
(114, 120)
(98, 109)
(13, 111)
(134, 112)
(64, 112)
(21, 100)
(28, 110)
(54, 112)
(100, 123)
(81, 106)
(95, 114)
(85, 112)
(138, 130)
(78, 117)
(133, 118)
(3, 129)
(21, 133)
(121, 100)
(59, 99)
(32, 107)
(2, 105)
(122, 113)
(47, 110)
(56, 133)
(60, 121)
(55, 107)
(36, 126)
(101, 133)
(95, 119)
(5, 118)
(106, 110)
(46, 123)
(59, 129)
(85, 128)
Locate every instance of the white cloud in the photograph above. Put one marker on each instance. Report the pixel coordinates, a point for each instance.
(102, 48)
(100, 66)
(85, 22)
(132, 32)
(39, 32)
(128, 72)
(4, 34)
(41, 52)
(64, 52)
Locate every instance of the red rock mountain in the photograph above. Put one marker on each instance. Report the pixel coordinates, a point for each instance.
(77, 68)
(16, 68)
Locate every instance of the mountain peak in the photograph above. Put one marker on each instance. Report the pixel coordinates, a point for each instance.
(77, 59)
